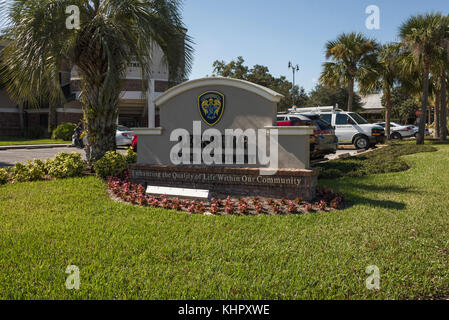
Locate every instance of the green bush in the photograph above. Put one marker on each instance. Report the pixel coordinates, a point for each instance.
(112, 164)
(65, 165)
(31, 171)
(64, 131)
(4, 176)
(131, 156)
(382, 160)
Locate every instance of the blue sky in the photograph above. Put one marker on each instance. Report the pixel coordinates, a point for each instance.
(273, 32)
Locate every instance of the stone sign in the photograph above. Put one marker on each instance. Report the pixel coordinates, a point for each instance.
(219, 134)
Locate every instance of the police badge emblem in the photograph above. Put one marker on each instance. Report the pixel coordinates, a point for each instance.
(211, 106)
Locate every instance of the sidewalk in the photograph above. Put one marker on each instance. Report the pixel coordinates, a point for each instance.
(35, 146)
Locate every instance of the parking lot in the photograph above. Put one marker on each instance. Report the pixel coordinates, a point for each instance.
(12, 156)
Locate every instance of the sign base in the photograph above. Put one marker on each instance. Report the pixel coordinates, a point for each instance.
(223, 181)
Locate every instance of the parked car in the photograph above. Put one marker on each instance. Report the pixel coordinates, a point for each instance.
(322, 142)
(399, 131)
(350, 127)
(123, 136)
(134, 143)
(416, 129)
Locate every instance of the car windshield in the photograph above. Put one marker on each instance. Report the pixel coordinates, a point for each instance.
(358, 118)
(381, 124)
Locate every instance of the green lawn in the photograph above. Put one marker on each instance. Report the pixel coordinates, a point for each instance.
(397, 221)
(21, 142)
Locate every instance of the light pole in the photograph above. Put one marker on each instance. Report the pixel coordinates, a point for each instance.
(294, 70)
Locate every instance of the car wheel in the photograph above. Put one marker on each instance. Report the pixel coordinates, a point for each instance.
(361, 143)
(396, 136)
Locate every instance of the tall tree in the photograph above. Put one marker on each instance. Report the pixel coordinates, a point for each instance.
(422, 35)
(443, 106)
(436, 99)
(403, 105)
(384, 74)
(444, 78)
(261, 75)
(351, 57)
(111, 33)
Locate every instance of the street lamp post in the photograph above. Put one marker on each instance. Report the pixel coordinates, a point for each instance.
(294, 70)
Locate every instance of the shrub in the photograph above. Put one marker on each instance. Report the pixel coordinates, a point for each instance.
(40, 164)
(64, 131)
(112, 164)
(65, 165)
(131, 156)
(32, 171)
(4, 176)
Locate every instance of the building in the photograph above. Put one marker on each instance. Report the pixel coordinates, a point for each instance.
(372, 106)
(136, 107)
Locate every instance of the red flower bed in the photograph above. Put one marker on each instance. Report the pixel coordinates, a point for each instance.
(124, 190)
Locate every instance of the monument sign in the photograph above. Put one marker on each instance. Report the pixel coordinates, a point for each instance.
(219, 134)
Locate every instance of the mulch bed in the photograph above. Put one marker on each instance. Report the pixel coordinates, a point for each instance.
(124, 191)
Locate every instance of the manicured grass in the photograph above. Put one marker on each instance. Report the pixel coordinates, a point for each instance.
(396, 221)
(21, 142)
(384, 160)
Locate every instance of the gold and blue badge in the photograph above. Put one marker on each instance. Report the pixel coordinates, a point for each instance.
(211, 105)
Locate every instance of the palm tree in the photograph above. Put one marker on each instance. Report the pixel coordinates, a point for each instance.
(384, 75)
(352, 55)
(436, 100)
(444, 77)
(111, 34)
(443, 106)
(422, 35)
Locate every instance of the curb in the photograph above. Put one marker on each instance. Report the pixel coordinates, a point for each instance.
(31, 147)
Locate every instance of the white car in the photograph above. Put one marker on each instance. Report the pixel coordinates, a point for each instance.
(416, 129)
(399, 131)
(350, 127)
(123, 136)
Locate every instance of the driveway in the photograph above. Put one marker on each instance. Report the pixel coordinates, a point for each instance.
(10, 157)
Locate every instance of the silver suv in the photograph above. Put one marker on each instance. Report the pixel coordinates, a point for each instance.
(350, 127)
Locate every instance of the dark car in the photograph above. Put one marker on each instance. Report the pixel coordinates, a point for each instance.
(322, 142)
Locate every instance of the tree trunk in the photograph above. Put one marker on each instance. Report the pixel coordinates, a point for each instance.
(425, 98)
(443, 108)
(101, 126)
(437, 113)
(52, 118)
(100, 99)
(21, 120)
(388, 113)
(351, 94)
